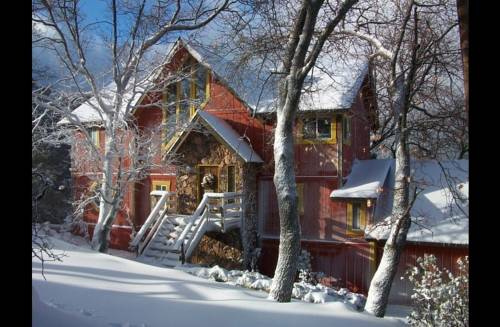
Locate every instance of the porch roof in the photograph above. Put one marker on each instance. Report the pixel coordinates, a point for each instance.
(222, 132)
(440, 213)
(365, 180)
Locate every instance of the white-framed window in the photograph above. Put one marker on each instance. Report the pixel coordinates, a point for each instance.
(95, 136)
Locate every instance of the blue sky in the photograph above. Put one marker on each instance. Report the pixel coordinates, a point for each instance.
(98, 54)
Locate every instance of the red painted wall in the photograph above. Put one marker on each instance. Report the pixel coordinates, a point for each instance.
(446, 256)
(323, 219)
(344, 265)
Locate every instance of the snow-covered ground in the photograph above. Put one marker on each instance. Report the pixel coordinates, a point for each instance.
(94, 289)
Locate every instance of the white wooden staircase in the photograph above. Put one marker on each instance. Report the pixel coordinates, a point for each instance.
(168, 238)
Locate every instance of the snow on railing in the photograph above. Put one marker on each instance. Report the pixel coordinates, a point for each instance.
(201, 217)
(155, 217)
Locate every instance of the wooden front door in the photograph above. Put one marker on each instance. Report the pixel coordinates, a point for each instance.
(208, 180)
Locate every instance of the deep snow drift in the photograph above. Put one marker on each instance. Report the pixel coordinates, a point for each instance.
(94, 289)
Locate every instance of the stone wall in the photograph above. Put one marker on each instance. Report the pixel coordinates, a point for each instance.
(202, 149)
(223, 249)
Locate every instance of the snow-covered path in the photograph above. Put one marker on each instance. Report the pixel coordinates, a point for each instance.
(94, 289)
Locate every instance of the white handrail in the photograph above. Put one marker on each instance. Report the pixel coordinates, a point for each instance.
(202, 213)
(192, 220)
(153, 216)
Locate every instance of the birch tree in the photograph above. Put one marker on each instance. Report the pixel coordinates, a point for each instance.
(129, 30)
(411, 51)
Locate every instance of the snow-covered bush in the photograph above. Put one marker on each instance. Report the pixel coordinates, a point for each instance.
(304, 269)
(439, 298)
(314, 293)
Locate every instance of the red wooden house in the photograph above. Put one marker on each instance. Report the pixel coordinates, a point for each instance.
(222, 141)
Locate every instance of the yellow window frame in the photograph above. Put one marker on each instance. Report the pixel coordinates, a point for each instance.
(333, 131)
(160, 183)
(192, 107)
(157, 182)
(193, 95)
(362, 219)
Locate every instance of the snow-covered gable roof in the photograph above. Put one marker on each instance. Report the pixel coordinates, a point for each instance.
(230, 137)
(331, 85)
(90, 112)
(437, 215)
(365, 180)
(247, 82)
(222, 131)
(440, 213)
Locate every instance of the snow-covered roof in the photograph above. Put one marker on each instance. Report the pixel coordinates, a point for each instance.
(230, 137)
(331, 85)
(223, 131)
(248, 82)
(90, 112)
(365, 180)
(440, 213)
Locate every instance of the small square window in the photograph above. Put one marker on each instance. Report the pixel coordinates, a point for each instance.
(157, 185)
(324, 128)
(309, 128)
(318, 128)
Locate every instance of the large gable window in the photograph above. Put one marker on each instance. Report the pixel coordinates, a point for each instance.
(200, 84)
(317, 129)
(182, 98)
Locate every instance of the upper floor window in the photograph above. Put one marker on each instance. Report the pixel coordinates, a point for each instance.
(94, 135)
(317, 129)
(182, 98)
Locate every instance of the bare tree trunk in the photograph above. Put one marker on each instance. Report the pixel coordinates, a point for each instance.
(380, 286)
(463, 19)
(297, 63)
(286, 191)
(249, 226)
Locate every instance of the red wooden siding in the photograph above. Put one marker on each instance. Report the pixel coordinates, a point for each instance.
(143, 199)
(446, 256)
(316, 159)
(359, 146)
(344, 265)
(323, 219)
(225, 105)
